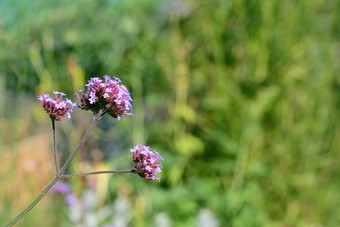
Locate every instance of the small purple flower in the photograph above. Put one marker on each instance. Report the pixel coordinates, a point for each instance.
(71, 199)
(146, 162)
(62, 188)
(56, 108)
(109, 95)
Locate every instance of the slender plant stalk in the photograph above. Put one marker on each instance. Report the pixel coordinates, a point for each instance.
(97, 172)
(85, 137)
(27, 209)
(59, 173)
(55, 148)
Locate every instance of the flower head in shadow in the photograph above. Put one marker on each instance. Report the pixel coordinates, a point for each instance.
(146, 161)
(109, 95)
(56, 107)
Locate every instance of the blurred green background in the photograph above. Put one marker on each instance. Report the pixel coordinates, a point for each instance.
(241, 98)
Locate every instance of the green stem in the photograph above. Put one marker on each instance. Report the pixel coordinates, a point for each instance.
(55, 148)
(97, 172)
(27, 209)
(59, 173)
(85, 137)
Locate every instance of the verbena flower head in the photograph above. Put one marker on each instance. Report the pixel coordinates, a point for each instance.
(147, 163)
(109, 95)
(56, 107)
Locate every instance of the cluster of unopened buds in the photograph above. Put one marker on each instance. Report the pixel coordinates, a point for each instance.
(102, 97)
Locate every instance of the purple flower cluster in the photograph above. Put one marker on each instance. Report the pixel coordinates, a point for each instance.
(56, 108)
(109, 95)
(146, 162)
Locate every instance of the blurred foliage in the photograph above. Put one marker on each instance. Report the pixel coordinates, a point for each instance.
(241, 98)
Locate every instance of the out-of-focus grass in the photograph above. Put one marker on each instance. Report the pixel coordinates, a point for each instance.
(241, 98)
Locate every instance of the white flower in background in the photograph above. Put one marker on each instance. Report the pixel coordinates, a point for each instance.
(162, 220)
(207, 218)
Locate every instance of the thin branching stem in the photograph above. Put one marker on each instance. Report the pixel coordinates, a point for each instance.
(97, 172)
(29, 207)
(59, 173)
(85, 137)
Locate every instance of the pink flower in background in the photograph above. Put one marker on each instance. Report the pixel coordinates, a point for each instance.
(62, 188)
(71, 199)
